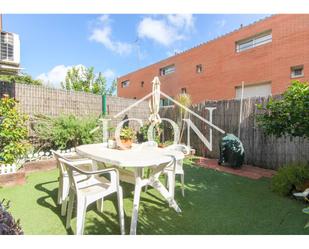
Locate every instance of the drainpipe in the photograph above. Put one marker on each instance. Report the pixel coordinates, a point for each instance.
(104, 104)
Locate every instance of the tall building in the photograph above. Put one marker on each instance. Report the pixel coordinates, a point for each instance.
(266, 55)
(9, 51)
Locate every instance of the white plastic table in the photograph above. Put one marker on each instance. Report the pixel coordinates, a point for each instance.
(136, 158)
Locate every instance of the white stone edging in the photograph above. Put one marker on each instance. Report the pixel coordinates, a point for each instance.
(32, 157)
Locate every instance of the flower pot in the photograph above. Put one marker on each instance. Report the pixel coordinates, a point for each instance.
(126, 143)
(111, 144)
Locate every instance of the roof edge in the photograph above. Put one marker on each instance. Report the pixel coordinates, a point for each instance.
(202, 44)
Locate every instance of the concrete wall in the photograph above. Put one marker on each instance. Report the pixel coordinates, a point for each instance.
(224, 68)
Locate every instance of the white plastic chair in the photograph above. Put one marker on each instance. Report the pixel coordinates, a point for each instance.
(93, 188)
(169, 171)
(304, 194)
(63, 190)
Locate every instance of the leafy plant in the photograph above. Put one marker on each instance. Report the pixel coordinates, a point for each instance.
(111, 133)
(289, 115)
(84, 79)
(186, 101)
(8, 225)
(143, 132)
(65, 132)
(13, 132)
(21, 78)
(290, 178)
(127, 133)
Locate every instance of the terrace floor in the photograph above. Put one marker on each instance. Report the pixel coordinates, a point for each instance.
(215, 203)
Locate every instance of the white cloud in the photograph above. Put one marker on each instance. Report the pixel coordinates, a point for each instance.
(103, 34)
(55, 75)
(221, 23)
(157, 30)
(166, 30)
(182, 20)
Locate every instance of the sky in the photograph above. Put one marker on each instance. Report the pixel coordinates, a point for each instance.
(113, 44)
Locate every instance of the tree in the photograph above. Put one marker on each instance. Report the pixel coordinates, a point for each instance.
(85, 80)
(288, 115)
(22, 78)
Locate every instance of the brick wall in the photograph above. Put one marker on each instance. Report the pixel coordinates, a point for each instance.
(224, 68)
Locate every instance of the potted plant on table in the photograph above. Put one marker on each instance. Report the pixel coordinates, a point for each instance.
(127, 135)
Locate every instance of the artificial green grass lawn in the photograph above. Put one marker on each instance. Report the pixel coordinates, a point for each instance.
(214, 203)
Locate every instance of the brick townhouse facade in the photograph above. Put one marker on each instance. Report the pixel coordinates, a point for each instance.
(266, 55)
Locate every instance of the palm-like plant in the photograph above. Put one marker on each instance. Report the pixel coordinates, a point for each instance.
(185, 100)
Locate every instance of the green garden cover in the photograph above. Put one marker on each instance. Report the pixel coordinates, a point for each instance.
(232, 152)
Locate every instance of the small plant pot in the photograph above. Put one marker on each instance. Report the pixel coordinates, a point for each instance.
(126, 143)
(111, 144)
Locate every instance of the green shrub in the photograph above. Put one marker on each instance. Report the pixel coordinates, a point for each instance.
(13, 132)
(22, 79)
(290, 178)
(65, 132)
(142, 135)
(127, 133)
(8, 225)
(289, 115)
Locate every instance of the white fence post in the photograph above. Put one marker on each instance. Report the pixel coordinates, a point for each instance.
(7, 169)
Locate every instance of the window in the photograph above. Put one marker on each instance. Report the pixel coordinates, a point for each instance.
(253, 42)
(125, 83)
(7, 46)
(165, 102)
(142, 84)
(257, 90)
(297, 71)
(199, 68)
(184, 90)
(167, 70)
